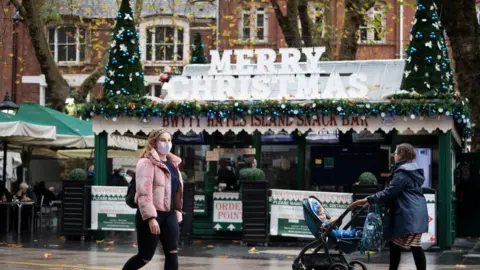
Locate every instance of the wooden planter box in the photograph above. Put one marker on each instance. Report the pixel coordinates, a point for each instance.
(255, 212)
(76, 209)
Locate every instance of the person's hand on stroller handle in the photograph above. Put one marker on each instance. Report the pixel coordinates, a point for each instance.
(358, 203)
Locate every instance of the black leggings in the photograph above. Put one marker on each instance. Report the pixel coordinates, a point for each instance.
(396, 254)
(147, 242)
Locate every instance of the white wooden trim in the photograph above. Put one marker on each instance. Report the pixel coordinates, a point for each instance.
(75, 80)
(42, 95)
(240, 31)
(55, 46)
(152, 89)
(201, 28)
(265, 25)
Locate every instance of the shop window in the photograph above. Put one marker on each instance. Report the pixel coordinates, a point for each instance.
(165, 43)
(279, 162)
(373, 25)
(424, 161)
(194, 163)
(67, 44)
(254, 24)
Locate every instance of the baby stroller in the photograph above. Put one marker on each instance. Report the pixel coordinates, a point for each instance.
(324, 229)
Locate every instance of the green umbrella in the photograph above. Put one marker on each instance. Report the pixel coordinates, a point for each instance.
(71, 131)
(18, 129)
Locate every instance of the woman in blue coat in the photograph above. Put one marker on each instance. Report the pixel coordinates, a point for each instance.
(406, 215)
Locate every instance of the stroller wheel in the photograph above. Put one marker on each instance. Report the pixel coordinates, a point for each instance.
(357, 265)
(338, 266)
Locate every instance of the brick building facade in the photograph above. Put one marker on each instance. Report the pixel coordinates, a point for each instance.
(77, 44)
(254, 24)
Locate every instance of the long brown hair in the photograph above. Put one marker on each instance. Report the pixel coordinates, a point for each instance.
(152, 141)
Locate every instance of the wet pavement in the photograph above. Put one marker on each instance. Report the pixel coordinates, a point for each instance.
(47, 251)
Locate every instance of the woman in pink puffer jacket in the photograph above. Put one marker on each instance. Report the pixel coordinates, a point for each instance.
(159, 196)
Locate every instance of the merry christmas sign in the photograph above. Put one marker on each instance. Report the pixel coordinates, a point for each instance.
(265, 74)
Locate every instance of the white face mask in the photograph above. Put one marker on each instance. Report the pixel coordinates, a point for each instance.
(164, 148)
(128, 178)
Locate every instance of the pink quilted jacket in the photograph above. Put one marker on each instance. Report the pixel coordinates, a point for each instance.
(154, 187)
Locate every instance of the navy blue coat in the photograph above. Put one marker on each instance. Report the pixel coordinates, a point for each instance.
(406, 207)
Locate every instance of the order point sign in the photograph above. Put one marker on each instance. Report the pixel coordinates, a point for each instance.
(227, 212)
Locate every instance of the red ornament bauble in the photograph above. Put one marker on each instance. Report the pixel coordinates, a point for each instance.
(164, 77)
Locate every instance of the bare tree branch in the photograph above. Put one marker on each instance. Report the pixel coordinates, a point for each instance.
(326, 36)
(306, 23)
(19, 7)
(353, 16)
(138, 11)
(289, 22)
(282, 20)
(56, 84)
(81, 92)
(293, 37)
(297, 10)
(463, 31)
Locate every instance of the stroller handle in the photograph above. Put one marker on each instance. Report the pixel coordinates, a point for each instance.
(352, 206)
(355, 205)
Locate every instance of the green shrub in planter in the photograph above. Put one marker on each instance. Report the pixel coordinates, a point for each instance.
(253, 174)
(367, 178)
(78, 174)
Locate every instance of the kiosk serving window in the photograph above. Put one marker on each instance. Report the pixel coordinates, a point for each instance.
(191, 149)
(279, 162)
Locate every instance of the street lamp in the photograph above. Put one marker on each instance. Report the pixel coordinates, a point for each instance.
(8, 106)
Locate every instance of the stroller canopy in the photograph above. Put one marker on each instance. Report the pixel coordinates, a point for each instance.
(315, 215)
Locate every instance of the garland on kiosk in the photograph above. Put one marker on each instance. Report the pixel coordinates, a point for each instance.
(144, 108)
